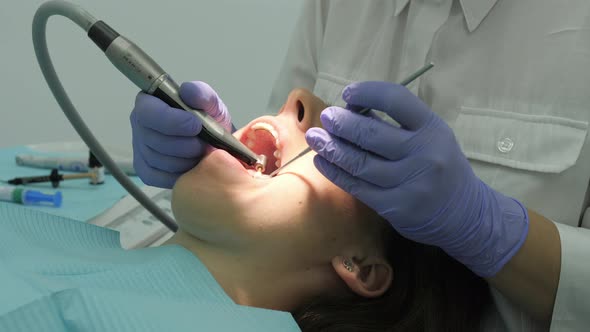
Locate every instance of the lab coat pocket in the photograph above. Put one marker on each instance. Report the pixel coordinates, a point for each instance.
(523, 141)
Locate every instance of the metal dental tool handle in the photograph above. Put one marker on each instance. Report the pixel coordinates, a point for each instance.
(364, 111)
(142, 70)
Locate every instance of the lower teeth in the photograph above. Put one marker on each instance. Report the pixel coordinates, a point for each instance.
(258, 175)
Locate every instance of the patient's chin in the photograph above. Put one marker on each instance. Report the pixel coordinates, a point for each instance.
(220, 162)
(219, 188)
(218, 185)
(217, 171)
(197, 205)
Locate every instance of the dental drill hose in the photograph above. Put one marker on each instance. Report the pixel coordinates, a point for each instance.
(85, 21)
(144, 72)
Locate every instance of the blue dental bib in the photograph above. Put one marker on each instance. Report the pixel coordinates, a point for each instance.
(58, 274)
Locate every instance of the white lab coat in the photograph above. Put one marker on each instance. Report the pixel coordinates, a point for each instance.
(512, 78)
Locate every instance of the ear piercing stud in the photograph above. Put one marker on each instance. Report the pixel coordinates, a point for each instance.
(347, 264)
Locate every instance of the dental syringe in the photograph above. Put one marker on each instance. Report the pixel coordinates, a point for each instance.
(364, 111)
(29, 197)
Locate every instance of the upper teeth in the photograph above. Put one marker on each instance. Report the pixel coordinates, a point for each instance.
(267, 127)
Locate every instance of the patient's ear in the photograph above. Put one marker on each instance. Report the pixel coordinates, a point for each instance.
(369, 278)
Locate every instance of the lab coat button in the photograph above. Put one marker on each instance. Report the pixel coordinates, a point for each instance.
(505, 145)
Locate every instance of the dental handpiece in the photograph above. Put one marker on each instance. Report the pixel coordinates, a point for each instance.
(142, 70)
(364, 111)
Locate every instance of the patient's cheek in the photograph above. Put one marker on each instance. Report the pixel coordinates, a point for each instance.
(345, 207)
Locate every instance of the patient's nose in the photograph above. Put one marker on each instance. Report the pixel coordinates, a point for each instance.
(305, 108)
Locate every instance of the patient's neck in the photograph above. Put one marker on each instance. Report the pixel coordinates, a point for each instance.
(253, 280)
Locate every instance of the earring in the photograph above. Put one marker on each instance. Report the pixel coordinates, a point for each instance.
(347, 264)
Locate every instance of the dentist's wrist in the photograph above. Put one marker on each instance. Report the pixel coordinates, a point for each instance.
(500, 229)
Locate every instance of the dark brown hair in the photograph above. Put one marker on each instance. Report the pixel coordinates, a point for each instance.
(430, 292)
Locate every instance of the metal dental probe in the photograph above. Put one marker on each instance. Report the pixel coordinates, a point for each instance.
(364, 111)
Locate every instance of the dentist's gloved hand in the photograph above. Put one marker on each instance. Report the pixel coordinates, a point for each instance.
(416, 177)
(164, 138)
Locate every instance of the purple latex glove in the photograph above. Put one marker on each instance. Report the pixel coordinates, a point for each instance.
(164, 138)
(416, 177)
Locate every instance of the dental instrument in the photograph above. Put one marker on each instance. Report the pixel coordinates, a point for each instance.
(364, 111)
(96, 169)
(29, 197)
(54, 177)
(71, 164)
(141, 70)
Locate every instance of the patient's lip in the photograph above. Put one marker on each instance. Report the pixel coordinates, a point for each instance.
(270, 125)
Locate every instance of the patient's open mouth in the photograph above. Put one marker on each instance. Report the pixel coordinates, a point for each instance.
(263, 138)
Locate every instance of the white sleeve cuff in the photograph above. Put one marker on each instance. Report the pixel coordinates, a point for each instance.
(571, 311)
